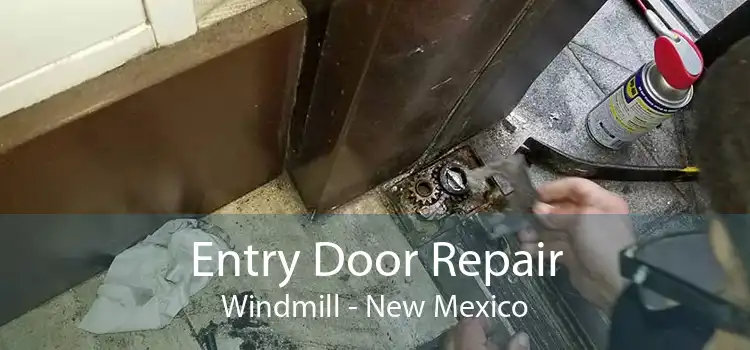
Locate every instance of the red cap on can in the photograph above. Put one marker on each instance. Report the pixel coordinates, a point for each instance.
(678, 60)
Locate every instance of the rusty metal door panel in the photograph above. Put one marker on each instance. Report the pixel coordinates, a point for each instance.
(389, 76)
(547, 27)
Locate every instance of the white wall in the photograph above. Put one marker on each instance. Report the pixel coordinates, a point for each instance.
(48, 46)
(34, 33)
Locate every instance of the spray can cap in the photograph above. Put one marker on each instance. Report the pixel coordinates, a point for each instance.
(678, 60)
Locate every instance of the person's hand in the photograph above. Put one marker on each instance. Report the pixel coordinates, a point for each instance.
(471, 334)
(590, 226)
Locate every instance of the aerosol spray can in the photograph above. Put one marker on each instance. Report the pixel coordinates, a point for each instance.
(650, 96)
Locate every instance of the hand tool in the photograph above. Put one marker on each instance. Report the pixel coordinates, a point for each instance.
(520, 202)
(554, 160)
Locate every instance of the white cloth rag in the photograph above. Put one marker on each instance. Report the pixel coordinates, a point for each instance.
(148, 284)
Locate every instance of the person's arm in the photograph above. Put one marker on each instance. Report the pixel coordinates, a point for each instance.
(590, 225)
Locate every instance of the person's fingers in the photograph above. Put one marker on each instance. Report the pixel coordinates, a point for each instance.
(583, 193)
(560, 216)
(520, 341)
(559, 208)
(551, 235)
(556, 246)
(563, 208)
(573, 189)
(541, 208)
(529, 239)
(567, 256)
(555, 243)
(449, 342)
(469, 334)
(531, 248)
(484, 323)
(474, 328)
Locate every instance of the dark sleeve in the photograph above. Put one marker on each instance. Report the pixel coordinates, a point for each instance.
(635, 327)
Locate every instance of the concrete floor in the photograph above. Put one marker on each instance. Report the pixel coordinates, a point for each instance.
(269, 218)
(597, 60)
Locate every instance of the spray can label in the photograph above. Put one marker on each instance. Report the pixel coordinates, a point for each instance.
(627, 113)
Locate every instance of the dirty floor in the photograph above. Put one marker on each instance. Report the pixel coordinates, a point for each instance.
(269, 218)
